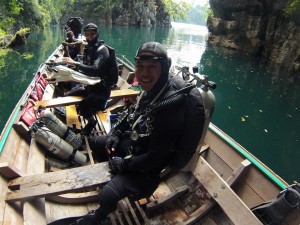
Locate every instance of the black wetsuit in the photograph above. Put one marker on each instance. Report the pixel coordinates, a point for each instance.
(95, 64)
(151, 153)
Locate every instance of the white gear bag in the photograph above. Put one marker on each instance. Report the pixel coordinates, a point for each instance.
(63, 73)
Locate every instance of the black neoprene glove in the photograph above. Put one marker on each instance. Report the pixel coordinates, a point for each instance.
(117, 165)
(113, 141)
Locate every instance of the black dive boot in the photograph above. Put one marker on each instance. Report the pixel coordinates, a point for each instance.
(89, 127)
(92, 218)
(275, 211)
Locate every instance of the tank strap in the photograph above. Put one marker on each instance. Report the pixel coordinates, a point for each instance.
(72, 156)
(66, 134)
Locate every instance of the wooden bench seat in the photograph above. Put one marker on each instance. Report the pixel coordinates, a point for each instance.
(228, 200)
(105, 120)
(60, 182)
(9, 171)
(73, 100)
(72, 117)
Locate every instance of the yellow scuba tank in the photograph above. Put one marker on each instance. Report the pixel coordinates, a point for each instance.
(59, 128)
(58, 146)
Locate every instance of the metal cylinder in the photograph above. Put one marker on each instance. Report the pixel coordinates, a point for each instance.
(209, 102)
(58, 146)
(60, 129)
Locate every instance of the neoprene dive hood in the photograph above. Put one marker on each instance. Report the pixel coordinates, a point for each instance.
(91, 26)
(161, 55)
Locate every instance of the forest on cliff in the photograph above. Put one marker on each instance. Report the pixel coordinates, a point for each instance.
(17, 14)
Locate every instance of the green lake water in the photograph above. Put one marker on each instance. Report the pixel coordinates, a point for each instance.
(258, 110)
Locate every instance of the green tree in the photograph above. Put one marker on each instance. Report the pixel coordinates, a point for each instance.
(8, 11)
(291, 7)
(177, 10)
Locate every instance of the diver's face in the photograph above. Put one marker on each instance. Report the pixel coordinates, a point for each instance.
(90, 35)
(147, 72)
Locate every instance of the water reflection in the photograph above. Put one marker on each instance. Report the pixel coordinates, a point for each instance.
(260, 112)
(18, 67)
(186, 43)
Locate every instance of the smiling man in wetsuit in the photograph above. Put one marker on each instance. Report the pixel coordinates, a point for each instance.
(142, 144)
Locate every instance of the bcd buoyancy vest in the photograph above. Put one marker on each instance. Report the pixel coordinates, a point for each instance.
(109, 72)
(193, 126)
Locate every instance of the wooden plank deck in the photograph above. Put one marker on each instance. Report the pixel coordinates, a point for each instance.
(34, 210)
(60, 182)
(232, 205)
(71, 100)
(72, 117)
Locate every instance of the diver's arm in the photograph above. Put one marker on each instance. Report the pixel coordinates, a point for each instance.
(94, 70)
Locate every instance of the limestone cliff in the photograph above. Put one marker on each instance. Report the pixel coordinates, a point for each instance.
(258, 27)
(144, 14)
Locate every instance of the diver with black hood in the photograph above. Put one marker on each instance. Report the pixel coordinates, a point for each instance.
(98, 61)
(141, 144)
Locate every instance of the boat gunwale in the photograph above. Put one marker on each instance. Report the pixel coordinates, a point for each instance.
(11, 120)
(271, 175)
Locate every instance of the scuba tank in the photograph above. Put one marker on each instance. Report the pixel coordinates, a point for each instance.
(58, 146)
(209, 102)
(208, 98)
(59, 128)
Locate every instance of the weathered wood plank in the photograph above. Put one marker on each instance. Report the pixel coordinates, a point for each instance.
(141, 211)
(62, 101)
(210, 203)
(71, 100)
(133, 212)
(60, 182)
(34, 210)
(236, 210)
(157, 203)
(9, 171)
(105, 120)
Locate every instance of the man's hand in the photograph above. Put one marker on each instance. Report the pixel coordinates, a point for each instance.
(112, 143)
(116, 164)
(69, 61)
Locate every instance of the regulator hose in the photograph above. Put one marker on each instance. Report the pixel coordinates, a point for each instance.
(168, 102)
(171, 100)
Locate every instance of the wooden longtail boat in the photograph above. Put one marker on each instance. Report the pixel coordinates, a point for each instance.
(225, 183)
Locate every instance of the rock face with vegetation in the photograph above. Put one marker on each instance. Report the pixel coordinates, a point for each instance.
(144, 14)
(17, 14)
(19, 38)
(268, 28)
